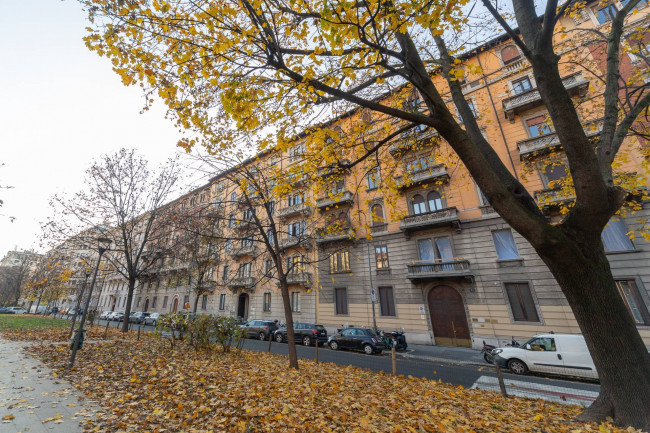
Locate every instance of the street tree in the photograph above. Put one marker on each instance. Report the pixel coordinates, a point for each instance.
(123, 199)
(273, 68)
(13, 279)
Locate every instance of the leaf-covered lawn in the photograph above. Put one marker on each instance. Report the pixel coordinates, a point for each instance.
(146, 388)
(25, 322)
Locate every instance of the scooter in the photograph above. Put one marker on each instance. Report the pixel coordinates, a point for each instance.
(487, 349)
(389, 337)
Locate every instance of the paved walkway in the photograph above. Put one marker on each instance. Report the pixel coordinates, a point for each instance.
(32, 399)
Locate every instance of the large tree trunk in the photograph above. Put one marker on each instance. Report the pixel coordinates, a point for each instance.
(621, 358)
(127, 311)
(288, 316)
(196, 301)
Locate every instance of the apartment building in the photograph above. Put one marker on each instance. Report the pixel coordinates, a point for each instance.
(411, 243)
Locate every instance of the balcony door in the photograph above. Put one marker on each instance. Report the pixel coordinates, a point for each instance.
(242, 306)
(448, 318)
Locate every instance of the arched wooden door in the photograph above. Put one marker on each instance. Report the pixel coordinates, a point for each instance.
(448, 318)
(175, 305)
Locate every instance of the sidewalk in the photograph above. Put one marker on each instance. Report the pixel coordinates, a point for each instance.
(451, 355)
(32, 399)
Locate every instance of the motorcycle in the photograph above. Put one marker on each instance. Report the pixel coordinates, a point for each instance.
(389, 337)
(487, 349)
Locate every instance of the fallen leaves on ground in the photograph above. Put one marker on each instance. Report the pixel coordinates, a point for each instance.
(143, 387)
(62, 334)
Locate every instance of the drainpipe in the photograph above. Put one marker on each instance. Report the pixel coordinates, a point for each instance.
(503, 135)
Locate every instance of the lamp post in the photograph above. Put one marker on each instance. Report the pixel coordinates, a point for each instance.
(102, 246)
(76, 309)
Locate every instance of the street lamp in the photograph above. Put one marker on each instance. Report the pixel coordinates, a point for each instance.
(102, 246)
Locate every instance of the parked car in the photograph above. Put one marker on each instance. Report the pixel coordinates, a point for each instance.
(563, 354)
(261, 329)
(138, 317)
(116, 316)
(305, 333)
(357, 339)
(105, 315)
(153, 318)
(18, 310)
(4, 310)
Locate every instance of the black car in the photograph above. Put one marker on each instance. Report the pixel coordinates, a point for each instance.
(357, 339)
(138, 317)
(261, 329)
(305, 333)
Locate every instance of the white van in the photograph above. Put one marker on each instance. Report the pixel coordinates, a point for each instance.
(564, 354)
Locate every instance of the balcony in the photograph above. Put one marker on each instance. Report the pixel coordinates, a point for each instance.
(325, 236)
(336, 168)
(437, 173)
(439, 268)
(244, 251)
(335, 199)
(246, 283)
(297, 209)
(299, 279)
(545, 143)
(378, 228)
(427, 220)
(574, 84)
(243, 225)
(294, 241)
(515, 67)
(550, 197)
(412, 139)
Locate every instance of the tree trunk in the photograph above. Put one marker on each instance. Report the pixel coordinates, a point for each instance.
(288, 316)
(620, 356)
(196, 302)
(127, 311)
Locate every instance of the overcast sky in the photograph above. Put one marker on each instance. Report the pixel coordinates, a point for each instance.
(61, 107)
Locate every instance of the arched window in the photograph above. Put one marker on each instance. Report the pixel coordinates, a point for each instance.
(509, 54)
(377, 214)
(434, 200)
(418, 204)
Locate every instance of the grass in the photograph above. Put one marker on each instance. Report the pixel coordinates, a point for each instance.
(28, 323)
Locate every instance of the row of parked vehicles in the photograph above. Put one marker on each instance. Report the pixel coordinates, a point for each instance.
(12, 310)
(138, 317)
(307, 334)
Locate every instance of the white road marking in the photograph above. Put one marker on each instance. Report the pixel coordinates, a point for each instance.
(558, 394)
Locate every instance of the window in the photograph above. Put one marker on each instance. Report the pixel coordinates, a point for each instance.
(381, 256)
(231, 221)
(434, 200)
(295, 302)
(377, 215)
(386, 301)
(228, 246)
(295, 199)
(339, 262)
(483, 201)
(413, 102)
(373, 178)
(615, 236)
(248, 214)
(296, 229)
(137, 304)
(247, 241)
(222, 301)
(268, 267)
(521, 85)
(505, 245)
(418, 204)
(337, 187)
(165, 301)
(186, 300)
(267, 302)
(233, 197)
(605, 14)
(632, 297)
(521, 302)
(245, 270)
(641, 4)
(544, 344)
(341, 300)
(420, 163)
(437, 249)
(509, 54)
(295, 264)
(538, 126)
(553, 174)
(224, 275)
(154, 302)
(204, 302)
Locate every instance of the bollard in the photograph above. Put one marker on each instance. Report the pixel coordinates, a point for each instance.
(139, 329)
(106, 330)
(270, 339)
(502, 384)
(316, 351)
(393, 354)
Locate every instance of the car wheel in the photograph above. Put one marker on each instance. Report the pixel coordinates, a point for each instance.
(368, 349)
(517, 366)
(306, 341)
(334, 345)
(279, 338)
(488, 357)
(262, 336)
(153, 323)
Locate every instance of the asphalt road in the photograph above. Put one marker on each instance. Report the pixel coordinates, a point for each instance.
(467, 375)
